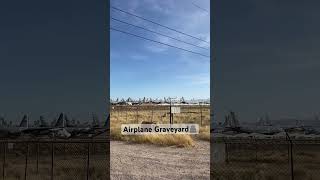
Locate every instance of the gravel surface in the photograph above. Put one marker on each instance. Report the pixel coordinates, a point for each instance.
(141, 161)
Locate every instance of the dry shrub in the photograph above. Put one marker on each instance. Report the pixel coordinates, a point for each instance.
(204, 133)
(118, 118)
(156, 139)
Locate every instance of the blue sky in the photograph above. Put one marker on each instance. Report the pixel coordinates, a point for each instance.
(140, 68)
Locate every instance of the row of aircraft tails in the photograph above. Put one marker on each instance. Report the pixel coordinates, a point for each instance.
(61, 129)
(263, 129)
(157, 101)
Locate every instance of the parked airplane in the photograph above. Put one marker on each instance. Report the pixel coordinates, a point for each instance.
(15, 131)
(62, 128)
(2, 122)
(44, 129)
(95, 129)
(232, 126)
(24, 129)
(71, 131)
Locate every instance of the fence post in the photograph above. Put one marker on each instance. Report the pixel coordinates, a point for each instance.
(137, 115)
(291, 157)
(291, 149)
(37, 157)
(88, 160)
(226, 149)
(64, 151)
(172, 118)
(26, 165)
(170, 113)
(288, 150)
(52, 157)
(126, 115)
(4, 161)
(152, 114)
(200, 115)
(93, 148)
(256, 148)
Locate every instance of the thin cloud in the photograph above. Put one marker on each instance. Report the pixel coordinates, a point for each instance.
(196, 79)
(138, 57)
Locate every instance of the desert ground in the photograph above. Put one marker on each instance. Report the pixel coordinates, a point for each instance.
(159, 156)
(145, 161)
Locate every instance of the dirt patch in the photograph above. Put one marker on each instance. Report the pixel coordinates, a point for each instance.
(141, 161)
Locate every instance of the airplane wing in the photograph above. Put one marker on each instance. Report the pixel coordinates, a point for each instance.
(30, 130)
(60, 132)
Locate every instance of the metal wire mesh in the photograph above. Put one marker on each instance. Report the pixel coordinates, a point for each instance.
(306, 159)
(274, 159)
(199, 114)
(54, 160)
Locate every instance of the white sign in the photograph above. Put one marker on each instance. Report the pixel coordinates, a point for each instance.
(175, 110)
(145, 129)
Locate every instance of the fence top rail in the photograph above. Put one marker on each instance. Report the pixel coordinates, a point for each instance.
(264, 141)
(54, 141)
(158, 106)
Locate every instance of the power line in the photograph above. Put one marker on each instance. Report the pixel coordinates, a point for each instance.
(159, 42)
(158, 24)
(158, 33)
(200, 7)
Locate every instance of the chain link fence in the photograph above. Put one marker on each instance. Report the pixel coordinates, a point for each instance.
(199, 114)
(54, 159)
(269, 159)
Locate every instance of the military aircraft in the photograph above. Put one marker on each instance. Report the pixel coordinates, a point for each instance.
(43, 129)
(59, 129)
(15, 131)
(24, 129)
(232, 126)
(6, 131)
(2, 122)
(64, 128)
(95, 129)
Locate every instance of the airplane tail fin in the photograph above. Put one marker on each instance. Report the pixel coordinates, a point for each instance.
(43, 122)
(2, 121)
(24, 121)
(95, 120)
(60, 121)
(107, 121)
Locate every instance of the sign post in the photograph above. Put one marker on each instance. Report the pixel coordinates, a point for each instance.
(174, 110)
(171, 113)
